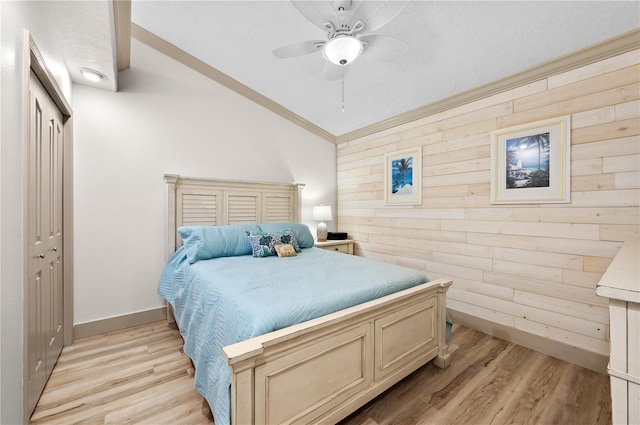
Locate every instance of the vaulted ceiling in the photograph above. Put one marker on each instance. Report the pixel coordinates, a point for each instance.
(454, 48)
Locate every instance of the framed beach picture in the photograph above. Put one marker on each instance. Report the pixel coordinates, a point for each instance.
(403, 177)
(530, 163)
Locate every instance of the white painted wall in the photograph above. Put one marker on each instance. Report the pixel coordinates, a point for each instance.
(167, 118)
(15, 18)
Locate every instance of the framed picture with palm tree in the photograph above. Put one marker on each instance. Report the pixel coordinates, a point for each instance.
(530, 163)
(403, 177)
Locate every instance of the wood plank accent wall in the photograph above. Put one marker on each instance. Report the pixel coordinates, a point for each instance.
(528, 268)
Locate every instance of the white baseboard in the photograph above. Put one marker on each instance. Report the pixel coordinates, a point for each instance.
(83, 330)
(580, 357)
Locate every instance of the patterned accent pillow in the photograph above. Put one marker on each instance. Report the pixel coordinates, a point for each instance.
(285, 250)
(263, 243)
(260, 244)
(302, 232)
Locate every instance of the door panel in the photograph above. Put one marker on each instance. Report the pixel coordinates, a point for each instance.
(44, 291)
(55, 238)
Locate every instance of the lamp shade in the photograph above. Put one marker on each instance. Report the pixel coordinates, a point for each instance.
(322, 213)
(342, 50)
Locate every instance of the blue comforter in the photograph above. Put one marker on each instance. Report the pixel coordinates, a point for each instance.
(222, 301)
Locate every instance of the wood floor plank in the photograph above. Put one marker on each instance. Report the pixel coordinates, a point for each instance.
(141, 376)
(517, 389)
(105, 381)
(142, 405)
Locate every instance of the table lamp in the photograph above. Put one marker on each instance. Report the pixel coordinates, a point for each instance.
(322, 213)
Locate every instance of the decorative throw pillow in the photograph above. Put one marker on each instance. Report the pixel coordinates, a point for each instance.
(302, 232)
(285, 250)
(260, 243)
(289, 237)
(263, 243)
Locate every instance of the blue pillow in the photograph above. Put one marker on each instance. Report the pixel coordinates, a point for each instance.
(303, 234)
(207, 242)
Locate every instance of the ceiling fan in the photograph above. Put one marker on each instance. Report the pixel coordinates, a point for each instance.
(349, 25)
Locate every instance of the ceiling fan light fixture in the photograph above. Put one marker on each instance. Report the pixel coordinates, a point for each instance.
(342, 50)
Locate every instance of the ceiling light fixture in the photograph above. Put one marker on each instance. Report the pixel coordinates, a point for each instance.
(342, 50)
(92, 74)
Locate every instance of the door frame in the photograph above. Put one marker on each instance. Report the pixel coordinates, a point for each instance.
(35, 61)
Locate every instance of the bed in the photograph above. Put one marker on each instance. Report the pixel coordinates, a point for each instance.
(322, 334)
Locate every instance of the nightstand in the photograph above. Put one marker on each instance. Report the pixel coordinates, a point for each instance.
(345, 246)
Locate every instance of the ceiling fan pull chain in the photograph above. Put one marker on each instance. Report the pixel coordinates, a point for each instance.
(343, 92)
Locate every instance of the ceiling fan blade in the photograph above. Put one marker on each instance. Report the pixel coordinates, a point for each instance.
(334, 72)
(383, 48)
(318, 12)
(298, 49)
(376, 14)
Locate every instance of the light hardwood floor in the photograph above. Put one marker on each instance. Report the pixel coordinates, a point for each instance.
(141, 376)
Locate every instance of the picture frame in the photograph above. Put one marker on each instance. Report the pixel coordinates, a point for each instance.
(530, 163)
(403, 177)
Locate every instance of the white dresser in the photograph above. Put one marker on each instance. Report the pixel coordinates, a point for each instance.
(621, 284)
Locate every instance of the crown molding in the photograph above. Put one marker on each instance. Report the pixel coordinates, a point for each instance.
(597, 52)
(122, 23)
(208, 71)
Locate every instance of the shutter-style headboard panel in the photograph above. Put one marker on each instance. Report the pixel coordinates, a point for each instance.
(199, 201)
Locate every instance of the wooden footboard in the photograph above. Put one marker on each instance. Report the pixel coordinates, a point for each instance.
(322, 370)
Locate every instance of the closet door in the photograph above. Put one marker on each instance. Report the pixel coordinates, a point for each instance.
(44, 290)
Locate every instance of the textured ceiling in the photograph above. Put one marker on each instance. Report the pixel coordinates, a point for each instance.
(82, 32)
(454, 46)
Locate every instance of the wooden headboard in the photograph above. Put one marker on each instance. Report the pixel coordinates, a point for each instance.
(201, 201)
